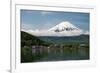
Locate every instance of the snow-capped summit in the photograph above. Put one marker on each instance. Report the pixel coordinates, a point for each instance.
(64, 26)
(61, 29)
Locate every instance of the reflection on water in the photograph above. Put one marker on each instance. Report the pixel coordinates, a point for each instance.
(60, 52)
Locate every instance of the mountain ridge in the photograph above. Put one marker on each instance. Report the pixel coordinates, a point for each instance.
(64, 25)
(64, 28)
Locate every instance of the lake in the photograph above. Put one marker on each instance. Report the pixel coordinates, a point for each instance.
(64, 48)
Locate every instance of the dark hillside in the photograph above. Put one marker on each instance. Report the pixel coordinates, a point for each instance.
(29, 40)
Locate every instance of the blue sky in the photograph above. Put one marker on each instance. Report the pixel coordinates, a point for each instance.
(32, 19)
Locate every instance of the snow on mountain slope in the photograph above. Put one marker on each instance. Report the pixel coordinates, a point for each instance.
(62, 29)
(66, 29)
(64, 26)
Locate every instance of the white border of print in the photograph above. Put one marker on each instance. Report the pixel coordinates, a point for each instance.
(16, 66)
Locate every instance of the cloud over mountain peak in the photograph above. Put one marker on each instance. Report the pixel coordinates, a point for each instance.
(64, 28)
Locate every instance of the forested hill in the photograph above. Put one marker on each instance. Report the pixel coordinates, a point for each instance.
(29, 40)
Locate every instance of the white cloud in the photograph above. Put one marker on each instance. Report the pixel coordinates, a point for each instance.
(28, 26)
(48, 32)
(86, 33)
(45, 12)
(52, 33)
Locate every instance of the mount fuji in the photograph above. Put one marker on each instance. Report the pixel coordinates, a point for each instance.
(64, 28)
(67, 29)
